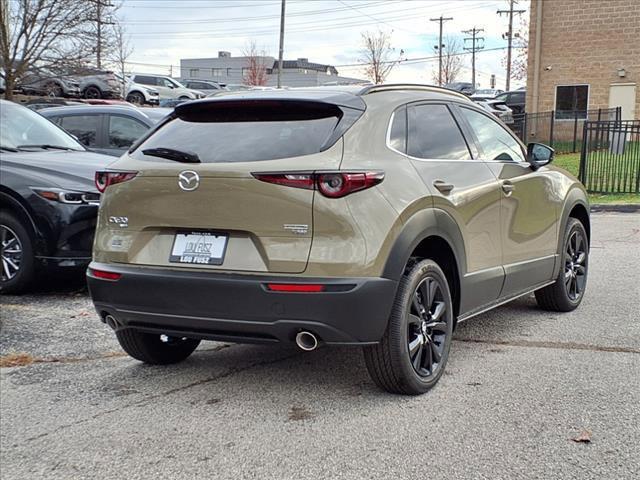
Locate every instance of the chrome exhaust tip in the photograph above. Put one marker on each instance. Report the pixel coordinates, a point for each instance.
(307, 341)
(112, 322)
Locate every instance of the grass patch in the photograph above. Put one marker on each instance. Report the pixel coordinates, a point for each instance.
(15, 360)
(571, 163)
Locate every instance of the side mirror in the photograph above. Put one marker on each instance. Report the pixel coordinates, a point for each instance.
(539, 155)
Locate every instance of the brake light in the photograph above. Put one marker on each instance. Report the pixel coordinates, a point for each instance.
(330, 184)
(296, 287)
(113, 276)
(106, 179)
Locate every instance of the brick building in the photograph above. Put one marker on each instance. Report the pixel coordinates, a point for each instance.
(584, 54)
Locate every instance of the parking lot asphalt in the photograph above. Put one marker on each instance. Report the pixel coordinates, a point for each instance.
(520, 386)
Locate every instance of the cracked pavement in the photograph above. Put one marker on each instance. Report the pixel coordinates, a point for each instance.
(520, 385)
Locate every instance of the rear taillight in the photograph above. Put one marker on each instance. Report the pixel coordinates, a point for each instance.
(330, 184)
(106, 179)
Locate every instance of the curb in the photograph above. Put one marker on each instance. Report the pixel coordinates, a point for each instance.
(613, 207)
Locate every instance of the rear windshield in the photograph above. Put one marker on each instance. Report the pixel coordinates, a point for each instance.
(264, 135)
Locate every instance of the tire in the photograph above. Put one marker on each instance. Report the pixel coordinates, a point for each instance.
(17, 252)
(391, 363)
(568, 290)
(92, 92)
(151, 348)
(136, 98)
(53, 90)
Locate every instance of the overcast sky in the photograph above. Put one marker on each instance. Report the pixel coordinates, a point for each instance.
(324, 31)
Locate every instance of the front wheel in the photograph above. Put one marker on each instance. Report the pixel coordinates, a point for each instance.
(16, 255)
(566, 293)
(136, 98)
(92, 92)
(413, 352)
(155, 349)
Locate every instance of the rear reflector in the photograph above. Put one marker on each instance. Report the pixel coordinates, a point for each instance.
(113, 276)
(295, 287)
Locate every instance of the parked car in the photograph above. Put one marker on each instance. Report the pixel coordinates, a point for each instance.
(100, 84)
(205, 86)
(486, 94)
(498, 108)
(167, 87)
(174, 102)
(108, 129)
(48, 201)
(462, 87)
(240, 219)
(45, 82)
(515, 100)
(141, 94)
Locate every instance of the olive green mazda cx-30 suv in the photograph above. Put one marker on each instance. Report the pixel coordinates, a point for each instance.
(373, 216)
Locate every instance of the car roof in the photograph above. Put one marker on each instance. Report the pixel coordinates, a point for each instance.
(343, 95)
(96, 109)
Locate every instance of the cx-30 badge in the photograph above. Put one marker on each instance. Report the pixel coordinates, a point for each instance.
(188, 180)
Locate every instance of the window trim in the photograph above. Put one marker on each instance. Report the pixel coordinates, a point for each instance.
(555, 101)
(481, 154)
(390, 125)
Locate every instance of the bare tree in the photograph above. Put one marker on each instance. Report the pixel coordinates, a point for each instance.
(379, 56)
(58, 36)
(255, 73)
(120, 53)
(451, 61)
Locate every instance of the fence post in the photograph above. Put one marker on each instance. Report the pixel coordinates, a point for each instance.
(551, 122)
(582, 173)
(575, 129)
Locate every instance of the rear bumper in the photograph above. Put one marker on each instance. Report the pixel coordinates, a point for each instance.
(239, 308)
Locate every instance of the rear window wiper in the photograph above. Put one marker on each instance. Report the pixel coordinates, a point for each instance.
(44, 146)
(171, 154)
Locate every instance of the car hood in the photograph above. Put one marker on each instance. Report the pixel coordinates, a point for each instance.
(59, 168)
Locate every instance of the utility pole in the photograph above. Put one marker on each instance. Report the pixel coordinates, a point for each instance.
(99, 23)
(473, 49)
(509, 36)
(281, 49)
(440, 46)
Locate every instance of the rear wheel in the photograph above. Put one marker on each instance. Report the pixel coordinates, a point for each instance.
(413, 352)
(92, 92)
(136, 98)
(155, 349)
(566, 293)
(16, 254)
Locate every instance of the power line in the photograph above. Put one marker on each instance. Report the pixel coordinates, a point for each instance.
(440, 46)
(473, 49)
(509, 12)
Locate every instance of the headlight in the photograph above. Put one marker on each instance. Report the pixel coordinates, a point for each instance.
(68, 196)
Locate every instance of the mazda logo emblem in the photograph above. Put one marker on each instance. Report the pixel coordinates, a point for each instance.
(188, 180)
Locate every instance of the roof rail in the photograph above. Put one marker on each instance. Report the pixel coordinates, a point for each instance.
(408, 86)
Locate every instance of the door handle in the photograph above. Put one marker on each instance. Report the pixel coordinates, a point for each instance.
(443, 186)
(508, 188)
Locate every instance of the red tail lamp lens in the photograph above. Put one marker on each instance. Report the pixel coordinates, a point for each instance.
(113, 276)
(106, 179)
(295, 287)
(330, 184)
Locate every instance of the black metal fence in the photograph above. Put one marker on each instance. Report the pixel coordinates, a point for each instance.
(610, 156)
(560, 130)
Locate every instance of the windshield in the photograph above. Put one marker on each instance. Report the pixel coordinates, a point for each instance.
(21, 127)
(175, 83)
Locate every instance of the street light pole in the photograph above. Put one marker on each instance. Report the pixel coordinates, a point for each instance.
(281, 49)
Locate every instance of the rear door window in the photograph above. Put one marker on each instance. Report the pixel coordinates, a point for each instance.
(86, 128)
(434, 134)
(123, 131)
(230, 133)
